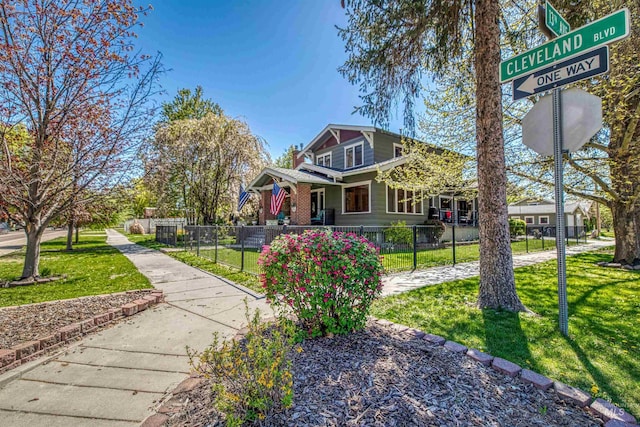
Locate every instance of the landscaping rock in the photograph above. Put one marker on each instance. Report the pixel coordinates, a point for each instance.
(538, 381)
(609, 411)
(572, 394)
(434, 339)
(455, 347)
(479, 356)
(506, 367)
(36, 321)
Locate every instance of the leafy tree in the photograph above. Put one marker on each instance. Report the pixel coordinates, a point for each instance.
(286, 159)
(390, 44)
(606, 169)
(69, 76)
(204, 160)
(188, 105)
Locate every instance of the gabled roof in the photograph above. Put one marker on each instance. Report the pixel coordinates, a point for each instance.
(291, 176)
(331, 129)
(544, 209)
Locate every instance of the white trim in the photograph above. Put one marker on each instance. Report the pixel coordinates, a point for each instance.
(356, 184)
(315, 168)
(348, 147)
(331, 127)
(540, 220)
(533, 220)
(395, 190)
(324, 197)
(368, 136)
(323, 157)
(397, 145)
(515, 217)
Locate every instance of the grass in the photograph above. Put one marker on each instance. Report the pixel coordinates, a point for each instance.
(92, 268)
(403, 260)
(204, 263)
(604, 338)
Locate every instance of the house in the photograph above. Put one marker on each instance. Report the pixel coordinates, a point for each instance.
(333, 182)
(540, 213)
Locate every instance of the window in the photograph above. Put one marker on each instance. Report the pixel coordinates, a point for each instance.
(445, 203)
(354, 156)
(528, 220)
(355, 198)
(401, 201)
(543, 220)
(324, 160)
(397, 150)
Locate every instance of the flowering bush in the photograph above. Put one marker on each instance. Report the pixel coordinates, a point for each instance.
(251, 377)
(329, 280)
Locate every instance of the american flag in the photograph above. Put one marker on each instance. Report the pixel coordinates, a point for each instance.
(277, 198)
(244, 196)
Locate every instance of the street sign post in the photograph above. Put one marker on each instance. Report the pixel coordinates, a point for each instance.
(554, 21)
(604, 31)
(578, 68)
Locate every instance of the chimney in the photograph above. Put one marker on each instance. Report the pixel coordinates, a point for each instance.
(296, 161)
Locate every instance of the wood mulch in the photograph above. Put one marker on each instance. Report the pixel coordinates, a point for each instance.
(380, 377)
(33, 321)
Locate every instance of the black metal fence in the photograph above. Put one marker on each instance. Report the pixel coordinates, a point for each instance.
(402, 247)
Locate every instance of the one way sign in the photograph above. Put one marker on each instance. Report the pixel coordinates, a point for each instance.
(574, 69)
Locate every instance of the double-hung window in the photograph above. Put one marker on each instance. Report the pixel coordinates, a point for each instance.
(354, 155)
(324, 160)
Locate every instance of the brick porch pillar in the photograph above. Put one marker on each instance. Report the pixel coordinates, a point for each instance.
(265, 204)
(302, 198)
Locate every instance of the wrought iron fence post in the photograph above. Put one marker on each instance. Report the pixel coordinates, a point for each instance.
(453, 243)
(415, 247)
(242, 248)
(543, 240)
(215, 247)
(361, 230)
(197, 240)
(526, 239)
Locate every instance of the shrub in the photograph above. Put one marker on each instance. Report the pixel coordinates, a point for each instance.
(328, 280)
(136, 228)
(517, 227)
(435, 231)
(251, 376)
(399, 233)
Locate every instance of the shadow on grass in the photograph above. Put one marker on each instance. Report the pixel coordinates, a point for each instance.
(505, 338)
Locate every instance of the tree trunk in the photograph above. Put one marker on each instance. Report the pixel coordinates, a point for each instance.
(626, 225)
(70, 235)
(77, 234)
(497, 282)
(32, 257)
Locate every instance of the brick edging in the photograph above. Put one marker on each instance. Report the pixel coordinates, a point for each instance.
(612, 415)
(27, 351)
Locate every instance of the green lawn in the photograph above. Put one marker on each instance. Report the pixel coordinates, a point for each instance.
(403, 260)
(205, 261)
(604, 310)
(93, 268)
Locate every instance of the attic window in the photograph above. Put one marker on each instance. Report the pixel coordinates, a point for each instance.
(324, 160)
(353, 155)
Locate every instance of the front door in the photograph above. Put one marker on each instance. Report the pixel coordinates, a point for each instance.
(317, 202)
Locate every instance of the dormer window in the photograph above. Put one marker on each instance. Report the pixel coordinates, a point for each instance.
(324, 160)
(354, 155)
(397, 150)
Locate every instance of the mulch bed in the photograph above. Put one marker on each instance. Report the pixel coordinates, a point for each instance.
(33, 321)
(380, 377)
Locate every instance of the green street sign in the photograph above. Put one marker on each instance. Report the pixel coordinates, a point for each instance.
(601, 32)
(554, 21)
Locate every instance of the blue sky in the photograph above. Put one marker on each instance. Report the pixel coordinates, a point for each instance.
(272, 63)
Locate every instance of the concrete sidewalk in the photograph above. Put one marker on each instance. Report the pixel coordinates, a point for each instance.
(115, 377)
(403, 282)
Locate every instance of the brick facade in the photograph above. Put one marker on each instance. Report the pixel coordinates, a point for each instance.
(302, 199)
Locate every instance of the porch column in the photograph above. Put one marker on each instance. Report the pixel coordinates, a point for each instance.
(265, 205)
(302, 199)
